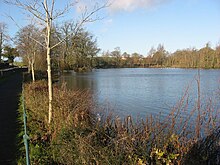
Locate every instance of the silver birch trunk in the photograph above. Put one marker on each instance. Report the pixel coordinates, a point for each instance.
(32, 72)
(29, 64)
(49, 84)
(50, 92)
(32, 66)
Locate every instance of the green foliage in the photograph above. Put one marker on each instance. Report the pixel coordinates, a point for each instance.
(20, 143)
(169, 153)
(10, 53)
(78, 50)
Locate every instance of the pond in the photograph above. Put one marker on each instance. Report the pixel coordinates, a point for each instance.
(144, 91)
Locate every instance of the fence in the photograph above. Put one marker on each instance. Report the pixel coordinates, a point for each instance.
(5, 72)
(25, 136)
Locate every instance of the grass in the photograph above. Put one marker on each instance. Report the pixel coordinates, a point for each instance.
(78, 136)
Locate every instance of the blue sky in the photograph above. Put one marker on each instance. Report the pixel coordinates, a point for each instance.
(137, 25)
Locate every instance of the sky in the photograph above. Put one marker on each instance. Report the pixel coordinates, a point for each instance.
(138, 25)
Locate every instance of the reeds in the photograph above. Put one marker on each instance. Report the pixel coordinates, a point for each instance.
(78, 136)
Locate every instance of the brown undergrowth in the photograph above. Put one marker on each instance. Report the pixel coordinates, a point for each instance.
(78, 135)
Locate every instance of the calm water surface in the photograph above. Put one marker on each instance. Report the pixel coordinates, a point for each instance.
(142, 91)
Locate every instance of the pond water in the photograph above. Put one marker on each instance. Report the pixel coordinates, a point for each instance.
(144, 91)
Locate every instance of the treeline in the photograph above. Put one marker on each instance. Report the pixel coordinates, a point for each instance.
(77, 50)
(205, 57)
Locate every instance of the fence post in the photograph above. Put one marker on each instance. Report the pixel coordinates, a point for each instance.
(25, 136)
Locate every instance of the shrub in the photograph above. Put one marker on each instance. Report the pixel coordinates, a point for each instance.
(78, 136)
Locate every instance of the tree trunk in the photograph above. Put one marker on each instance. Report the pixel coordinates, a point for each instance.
(32, 72)
(49, 72)
(32, 66)
(1, 41)
(29, 66)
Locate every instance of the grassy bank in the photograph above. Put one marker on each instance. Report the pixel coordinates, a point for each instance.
(78, 135)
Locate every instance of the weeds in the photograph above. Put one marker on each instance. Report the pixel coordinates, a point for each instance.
(77, 136)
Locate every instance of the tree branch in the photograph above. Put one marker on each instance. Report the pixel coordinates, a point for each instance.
(30, 36)
(28, 7)
(86, 17)
(48, 16)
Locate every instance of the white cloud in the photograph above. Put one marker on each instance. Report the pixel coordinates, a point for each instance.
(118, 5)
(130, 5)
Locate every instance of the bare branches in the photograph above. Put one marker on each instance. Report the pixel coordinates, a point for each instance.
(41, 11)
(33, 7)
(52, 8)
(19, 27)
(44, 11)
(3, 34)
(85, 18)
(3, 27)
(48, 17)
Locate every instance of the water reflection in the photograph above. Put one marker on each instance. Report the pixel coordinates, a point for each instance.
(144, 91)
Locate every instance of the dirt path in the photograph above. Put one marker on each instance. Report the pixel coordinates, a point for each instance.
(10, 90)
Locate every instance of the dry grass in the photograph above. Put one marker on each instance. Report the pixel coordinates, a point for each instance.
(77, 136)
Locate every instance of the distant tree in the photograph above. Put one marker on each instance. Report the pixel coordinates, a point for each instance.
(126, 60)
(66, 31)
(148, 61)
(186, 58)
(105, 61)
(207, 57)
(27, 47)
(84, 48)
(93, 50)
(10, 53)
(151, 52)
(179, 58)
(217, 53)
(116, 55)
(125, 55)
(135, 59)
(160, 55)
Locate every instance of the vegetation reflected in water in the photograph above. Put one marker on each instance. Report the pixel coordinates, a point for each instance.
(141, 91)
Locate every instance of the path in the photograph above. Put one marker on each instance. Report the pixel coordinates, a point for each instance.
(10, 90)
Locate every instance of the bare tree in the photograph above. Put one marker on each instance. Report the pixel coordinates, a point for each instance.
(27, 47)
(44, 13)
